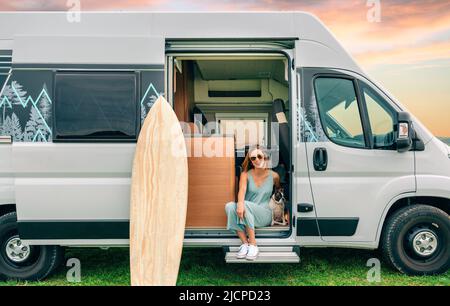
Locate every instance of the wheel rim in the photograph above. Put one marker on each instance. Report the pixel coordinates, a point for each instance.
(422, 243)
(16, 250)
(425, 243)
(11, 244)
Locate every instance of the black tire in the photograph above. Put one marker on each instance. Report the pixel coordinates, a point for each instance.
(41, 262)
(398, 240)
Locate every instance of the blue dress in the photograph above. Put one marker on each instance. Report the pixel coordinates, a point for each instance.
(257, 210)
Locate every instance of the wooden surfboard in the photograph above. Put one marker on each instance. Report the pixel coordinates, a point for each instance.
(159, 191)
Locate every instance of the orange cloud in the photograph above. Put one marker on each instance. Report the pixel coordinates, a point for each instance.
(413, 35)
(406, 55)
(87, 5)
(404, 24)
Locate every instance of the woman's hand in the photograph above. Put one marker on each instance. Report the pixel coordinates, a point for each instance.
(240, 210)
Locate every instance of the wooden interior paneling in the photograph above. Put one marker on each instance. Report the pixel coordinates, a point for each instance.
(211, 181)
(184, 91)
(189, 128)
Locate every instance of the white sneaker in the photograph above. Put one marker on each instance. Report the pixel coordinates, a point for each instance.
(243, 249)
(252, 253)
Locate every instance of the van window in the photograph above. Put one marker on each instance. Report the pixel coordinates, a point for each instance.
(339, 111)
(3, 77)
(381, 117)
(96, 106)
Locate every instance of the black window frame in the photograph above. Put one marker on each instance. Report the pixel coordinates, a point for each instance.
(368, 138)
(93, 139)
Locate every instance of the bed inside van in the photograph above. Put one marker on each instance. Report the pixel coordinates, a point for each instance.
(226, 104)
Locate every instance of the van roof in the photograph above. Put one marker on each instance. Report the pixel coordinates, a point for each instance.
(37, 37)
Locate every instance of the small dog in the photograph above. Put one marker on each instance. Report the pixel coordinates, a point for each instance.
(277, 204)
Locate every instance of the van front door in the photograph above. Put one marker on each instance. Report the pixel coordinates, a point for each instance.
(355, 170)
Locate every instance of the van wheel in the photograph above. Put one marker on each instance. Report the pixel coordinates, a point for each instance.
(20, 261)
(416, 240)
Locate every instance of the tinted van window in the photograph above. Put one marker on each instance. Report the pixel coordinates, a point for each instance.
(90, 106)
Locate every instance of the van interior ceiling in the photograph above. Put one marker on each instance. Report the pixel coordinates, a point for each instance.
(230, 102)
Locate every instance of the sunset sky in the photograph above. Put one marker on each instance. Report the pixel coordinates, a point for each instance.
(408, 51)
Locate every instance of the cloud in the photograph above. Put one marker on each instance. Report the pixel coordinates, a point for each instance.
(410, 45)
(88, 5)
(403, 55)
(410, 31)
(32, 5)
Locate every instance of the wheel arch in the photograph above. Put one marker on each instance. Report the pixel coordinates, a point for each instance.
(7, 208)
(405, 200)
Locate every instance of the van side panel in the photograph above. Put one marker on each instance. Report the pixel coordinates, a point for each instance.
(433, 170)
(88, 50)
(6, 175)
(65, 183)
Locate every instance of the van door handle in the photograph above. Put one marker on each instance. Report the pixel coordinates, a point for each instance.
(305, 207)
(320, 159)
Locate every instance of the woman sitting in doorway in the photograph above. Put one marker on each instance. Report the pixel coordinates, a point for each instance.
(252, 209)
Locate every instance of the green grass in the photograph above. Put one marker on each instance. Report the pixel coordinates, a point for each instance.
(207, 267)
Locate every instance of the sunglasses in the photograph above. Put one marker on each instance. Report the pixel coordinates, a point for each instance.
(259, 156)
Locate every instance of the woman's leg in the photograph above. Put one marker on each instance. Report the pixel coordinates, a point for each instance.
(251, 235)
(232, 222)
(255, 216)
(242, 236)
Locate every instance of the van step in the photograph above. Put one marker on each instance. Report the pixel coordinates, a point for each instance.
(275, 254)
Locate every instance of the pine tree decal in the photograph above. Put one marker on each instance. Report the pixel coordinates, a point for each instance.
(16, 134)
(5, 127)
(35, 128)
(150, 97)
(146, 106)
(45, 106)
(20, 95)
(15, 99)
(5, 101)
(143, 113)
(11, 126)
(312, 119)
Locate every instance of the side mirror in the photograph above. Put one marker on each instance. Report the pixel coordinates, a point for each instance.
(404, 132)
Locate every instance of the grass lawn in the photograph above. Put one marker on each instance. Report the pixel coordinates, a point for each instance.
(207, 267)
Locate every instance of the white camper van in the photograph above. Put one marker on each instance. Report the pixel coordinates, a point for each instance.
(358, 170)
